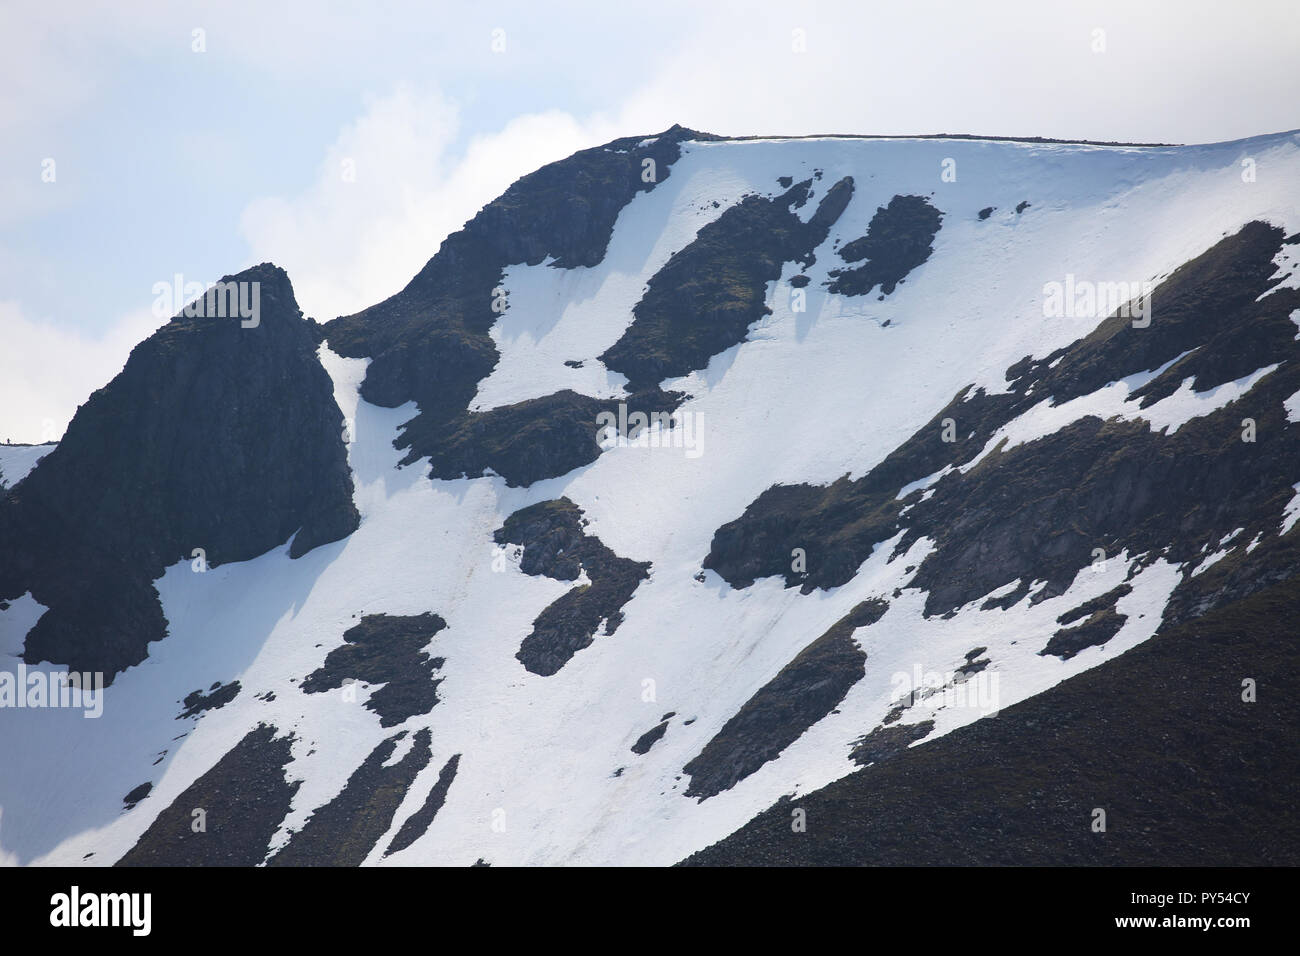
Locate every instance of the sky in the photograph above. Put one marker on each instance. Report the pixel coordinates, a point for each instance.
(148, 139)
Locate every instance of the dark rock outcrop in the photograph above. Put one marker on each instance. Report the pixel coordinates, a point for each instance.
(215, 436)
(706, 296)
(1041, 510)
(429, 343)
(418, 822)
(1099, 628)
(555, 545)
(805, 691)
(387, 650)
(137, 794)
(885, 742)
(898, 239)
(217, 696)
(1021, 790)
(523, 443)
(650, 738)
(345, 830)
(243, 799)
(1088, 608)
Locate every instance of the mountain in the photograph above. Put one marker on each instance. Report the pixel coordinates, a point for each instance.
(216, 437)
(706, 500)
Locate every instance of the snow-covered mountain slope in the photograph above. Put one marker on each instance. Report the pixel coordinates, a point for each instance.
(17, 460)
(907, 475)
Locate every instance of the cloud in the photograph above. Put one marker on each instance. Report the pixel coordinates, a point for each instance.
(346, 242)
(1024, 68)
(392, 186)
(1174, 71)
(47, 371)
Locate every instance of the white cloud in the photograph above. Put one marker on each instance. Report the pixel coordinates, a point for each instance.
(1191, 71)
(346, 245)
(47, 371)
(1177, 71)
(349, 244)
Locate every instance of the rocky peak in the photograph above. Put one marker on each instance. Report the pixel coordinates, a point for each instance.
(220, 434)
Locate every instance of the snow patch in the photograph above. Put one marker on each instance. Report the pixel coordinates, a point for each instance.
(1291, 514)
(1292, 406)
(1116, 401)
(17, 461)
(813, 396)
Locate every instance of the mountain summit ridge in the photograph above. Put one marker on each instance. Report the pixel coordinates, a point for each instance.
(914, 496)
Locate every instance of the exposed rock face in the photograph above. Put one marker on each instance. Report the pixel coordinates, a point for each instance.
(523, 443)
(805, 691)
(345, 830)
(136, 795)
(1089, 608)
(898, 240)
(1041, 509)
(418, 822)
(837, 524)
(555, 545)
(650, 738)
(1019, 790)
(885, 742)
(218, 696)
(244, 797)
(388, 650)
(534, 439)
(1099, 628)
(215, 436)
(707, 295)
(430, 344)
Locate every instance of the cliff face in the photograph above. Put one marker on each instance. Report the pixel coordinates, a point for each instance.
(882, 478)
(215, 436)
(429, 343)
(1036, 510)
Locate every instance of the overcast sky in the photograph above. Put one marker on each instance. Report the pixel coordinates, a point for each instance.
(201, 153)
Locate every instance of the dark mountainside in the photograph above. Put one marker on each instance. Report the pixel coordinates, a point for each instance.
(245, 795)
(214, 436)
(1187, 772)
(1038, 510)
(430, 344)
(1042, 510)
(805, 691)
(228, 439)
(345, 830)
